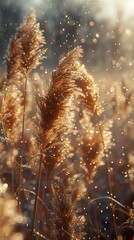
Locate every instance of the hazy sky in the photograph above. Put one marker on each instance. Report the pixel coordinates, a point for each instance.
(50, 9)
(108, 7)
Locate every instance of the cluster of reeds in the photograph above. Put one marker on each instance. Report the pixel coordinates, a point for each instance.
(53, 139)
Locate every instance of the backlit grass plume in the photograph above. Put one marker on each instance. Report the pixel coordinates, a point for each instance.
(11, 114)
(91, 144)
(70, 81)
(25, 50)
(56, 112)
(83, 80)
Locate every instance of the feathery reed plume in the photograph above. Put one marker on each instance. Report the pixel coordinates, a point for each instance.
(12, 124)
(90, 144)
(11, 113)
(85, 82)
(25, 50)
(69, 62)
(64, 222)
(83, 79)
(9, 218)
(56, 112)
(54, 140)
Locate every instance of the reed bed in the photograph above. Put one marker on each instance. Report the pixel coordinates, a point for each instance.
(66, 156)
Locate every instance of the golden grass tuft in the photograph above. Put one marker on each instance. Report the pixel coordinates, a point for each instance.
(56, 111)
(25, 50)
(12, 113)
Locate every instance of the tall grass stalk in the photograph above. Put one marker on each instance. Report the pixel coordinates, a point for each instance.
(22, 137)
(36, 197)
